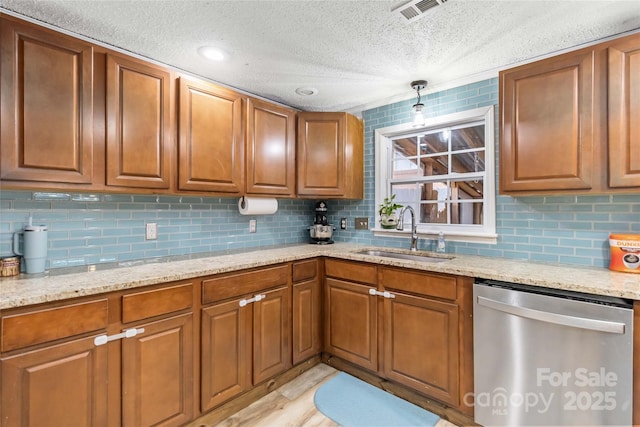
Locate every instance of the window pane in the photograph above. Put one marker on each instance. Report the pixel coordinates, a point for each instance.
(405, 193)
(405, 168)
(468, 162)
(465, 190)
(433, 213)
(465, 138)
(434, 191)
(434, 143)
(467, 213)
(438, 165)
(405, 147)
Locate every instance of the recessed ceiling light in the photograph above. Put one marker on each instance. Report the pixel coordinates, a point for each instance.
(213, 53)
(306, 91)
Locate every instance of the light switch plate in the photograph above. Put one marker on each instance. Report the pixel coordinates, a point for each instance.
(362, 223)
(151, 232)
(252, 225)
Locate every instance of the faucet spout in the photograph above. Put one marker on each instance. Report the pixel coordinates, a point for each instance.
(414, 226)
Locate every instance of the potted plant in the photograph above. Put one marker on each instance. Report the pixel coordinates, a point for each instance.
(387, 211)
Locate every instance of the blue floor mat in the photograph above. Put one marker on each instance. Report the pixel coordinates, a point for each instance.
(351, 402)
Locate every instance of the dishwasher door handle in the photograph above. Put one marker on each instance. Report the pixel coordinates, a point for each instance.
(560, 319)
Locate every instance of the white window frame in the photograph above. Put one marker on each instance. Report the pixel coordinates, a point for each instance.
(455, 232)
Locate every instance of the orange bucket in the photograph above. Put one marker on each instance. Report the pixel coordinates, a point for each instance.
(625, 252)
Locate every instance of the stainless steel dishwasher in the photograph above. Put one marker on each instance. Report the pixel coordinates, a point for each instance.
(549, 357)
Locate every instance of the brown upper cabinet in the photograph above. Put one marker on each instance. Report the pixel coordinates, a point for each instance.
(624, 110)
(551, 114)
(78, 117)
(271, 157)
(213, 153)
(210, 141)
(330, 155)
(566, 122)
(46, 82)
(139, 128)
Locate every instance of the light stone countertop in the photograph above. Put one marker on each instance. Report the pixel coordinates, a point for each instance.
(26, 290)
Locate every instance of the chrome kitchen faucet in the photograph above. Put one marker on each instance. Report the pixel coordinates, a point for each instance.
(414, 227)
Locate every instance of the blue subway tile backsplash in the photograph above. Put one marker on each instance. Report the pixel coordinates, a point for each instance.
(87, 229)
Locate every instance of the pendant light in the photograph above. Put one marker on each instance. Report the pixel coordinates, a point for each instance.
(417, 115)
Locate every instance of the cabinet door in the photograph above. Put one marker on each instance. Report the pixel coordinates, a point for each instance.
(270, 149)
(271, 334)
(624, 110)
(330, 155)
(157, 374)
(226, 352)
(138, 124)
(549, 126)
(60, 385)
(421, 345)
(351, 325)
(307, 320)
(210, 147)
(46, 81)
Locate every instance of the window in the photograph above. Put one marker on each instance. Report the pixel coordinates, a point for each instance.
(445, 171)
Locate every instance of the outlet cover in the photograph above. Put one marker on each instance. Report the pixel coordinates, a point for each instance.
(151, 231)
(362, 223)
(252, 226)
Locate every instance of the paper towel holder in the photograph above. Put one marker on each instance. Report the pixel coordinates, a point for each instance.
(257, 206)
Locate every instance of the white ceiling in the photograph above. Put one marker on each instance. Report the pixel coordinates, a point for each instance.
(356, 53)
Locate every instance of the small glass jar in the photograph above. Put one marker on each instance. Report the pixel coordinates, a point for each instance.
(9, 266)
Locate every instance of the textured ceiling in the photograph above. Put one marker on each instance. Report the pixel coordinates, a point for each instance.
(356, 53)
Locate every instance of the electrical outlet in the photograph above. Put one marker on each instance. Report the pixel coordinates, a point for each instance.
(343, 223)
(362, 223)
(152, 231)
(252, 225)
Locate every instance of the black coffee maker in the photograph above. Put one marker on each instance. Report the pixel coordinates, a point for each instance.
(321, 231)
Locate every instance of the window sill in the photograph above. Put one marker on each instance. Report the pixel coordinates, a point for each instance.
(450, 236)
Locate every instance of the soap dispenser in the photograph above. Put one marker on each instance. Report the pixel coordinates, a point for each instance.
(441, 246)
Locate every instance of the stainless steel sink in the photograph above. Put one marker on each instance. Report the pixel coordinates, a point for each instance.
(416, 256)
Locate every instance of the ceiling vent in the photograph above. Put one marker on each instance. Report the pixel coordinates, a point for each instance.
(416, 9)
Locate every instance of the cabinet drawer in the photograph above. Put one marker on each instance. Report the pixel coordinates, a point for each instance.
(49, 324)
(236, 284)
(143, 305)
(305, 270)
(435, 285)
(354, 271)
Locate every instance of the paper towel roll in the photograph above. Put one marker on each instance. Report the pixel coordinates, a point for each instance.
(257, 206)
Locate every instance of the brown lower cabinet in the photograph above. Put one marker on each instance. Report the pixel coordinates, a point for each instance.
(62, 385)
(411, 327)
(351, 322)
(306, 305)
(56, 371)
(157, 373)
(246, 336)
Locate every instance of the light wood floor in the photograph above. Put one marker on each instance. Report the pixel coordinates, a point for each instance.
(289, 406)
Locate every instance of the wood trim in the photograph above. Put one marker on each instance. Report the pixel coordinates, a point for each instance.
(465, 346)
